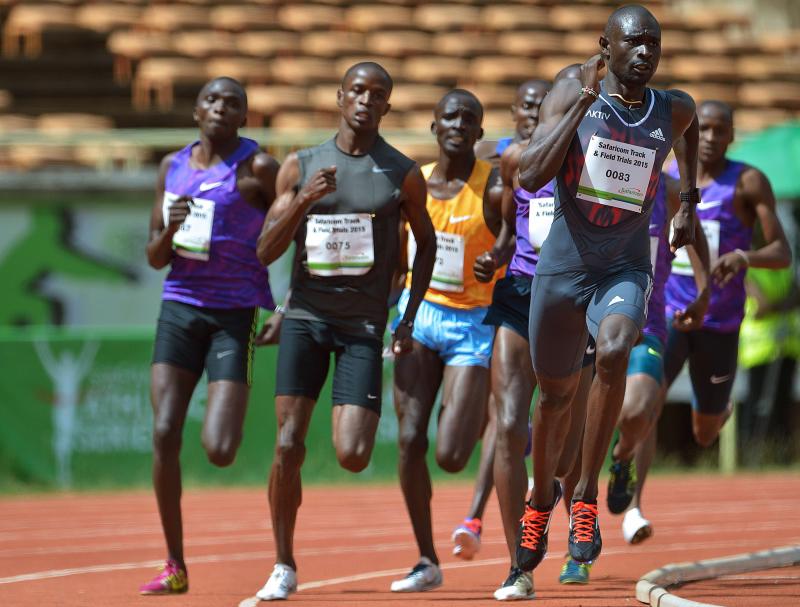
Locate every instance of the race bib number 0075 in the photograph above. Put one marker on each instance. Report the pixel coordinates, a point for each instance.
(339, 245)
(616, 174)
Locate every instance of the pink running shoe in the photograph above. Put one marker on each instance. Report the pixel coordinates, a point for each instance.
(467, 538)
(171, 580)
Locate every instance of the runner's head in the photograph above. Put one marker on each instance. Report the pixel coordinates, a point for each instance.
(364, 96)
(221, 108)
(525, 109)
(631, 45)
(457, 122)
(716, 131)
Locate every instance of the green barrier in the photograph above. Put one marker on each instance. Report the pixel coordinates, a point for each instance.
(75, 412)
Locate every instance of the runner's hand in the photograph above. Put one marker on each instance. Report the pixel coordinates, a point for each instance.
(401, 340)
(270, 332)
(179, 210)
(322, 182)
(484, 267)
(691, 318)
(727, 266)
(683, 227)
(591, 73)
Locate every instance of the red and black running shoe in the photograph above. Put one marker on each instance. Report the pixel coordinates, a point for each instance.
(533, 530)
(585, 542)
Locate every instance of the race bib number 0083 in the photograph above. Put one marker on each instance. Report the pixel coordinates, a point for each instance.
(616, 174)
(339, 245)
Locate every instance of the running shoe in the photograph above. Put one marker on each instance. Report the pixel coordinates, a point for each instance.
(621, 486)
(636, 528)
(172, 579)
(532, 535)
(424, 576)
(573, 572)
(281, 583)
(517, 587)
(467, 538)
(584, 542)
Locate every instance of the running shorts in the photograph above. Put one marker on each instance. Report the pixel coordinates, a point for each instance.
(458, 336)
(219, 340)
(712, 365)
(304, 356)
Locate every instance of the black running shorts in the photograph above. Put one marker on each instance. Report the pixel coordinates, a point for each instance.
(304, 356)
(511, 304)
(215, 339)
(712, 365)
(566, 308)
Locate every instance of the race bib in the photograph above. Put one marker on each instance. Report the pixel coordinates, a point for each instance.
(540, 218)
(616, 174)
(339, 245)
(681, 265)
(193, 238)
(448, 271)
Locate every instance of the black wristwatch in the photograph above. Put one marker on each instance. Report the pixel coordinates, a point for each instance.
(407, 323)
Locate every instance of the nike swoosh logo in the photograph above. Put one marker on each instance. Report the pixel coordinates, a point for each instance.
(224, 353)
(460, 218)
(717, 379)
(380, 170)
(204, 187)
(590, 350)
(616, 299)
(702, 206)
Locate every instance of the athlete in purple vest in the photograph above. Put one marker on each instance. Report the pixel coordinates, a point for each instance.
(605, 140)
(645, 383)
(734, 197)
(211, 200)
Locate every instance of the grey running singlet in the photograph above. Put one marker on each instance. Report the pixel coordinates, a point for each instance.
(347, 245)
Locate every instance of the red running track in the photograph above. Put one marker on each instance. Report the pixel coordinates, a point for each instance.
(95, 549)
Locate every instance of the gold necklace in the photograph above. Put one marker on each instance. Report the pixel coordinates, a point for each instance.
(621, 98)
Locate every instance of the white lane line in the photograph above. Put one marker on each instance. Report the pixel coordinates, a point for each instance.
(245, 556)
(252, 601)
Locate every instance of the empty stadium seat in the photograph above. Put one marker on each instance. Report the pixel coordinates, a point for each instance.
(399, 43)
(464, 44)
(174, 17)
(440, 17)
(499, 68)
(129, 46)
(435, 70)
(494, 96)
(267, 44)
(370, 17)
(302, 17)
(771, 94)
(531, 44)
(26, 22)
(70, 123)
(159, 75)
(408, 97)
(303, 70)
(245, 69)
(502, 17)
(690, 67)
(204, 43)
(243, 17)
(701, 91)
(107, 16)
(570, 17)
(332, 44)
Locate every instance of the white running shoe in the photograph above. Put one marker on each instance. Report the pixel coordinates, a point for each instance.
(281, 583)
(636, 528)
(518, 587)
(424, 576)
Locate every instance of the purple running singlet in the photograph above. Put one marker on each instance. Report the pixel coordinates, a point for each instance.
(223, 270)
(660, 257)
(724, 233)
(534, 218)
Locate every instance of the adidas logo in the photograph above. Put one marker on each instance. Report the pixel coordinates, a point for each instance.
(657, 134)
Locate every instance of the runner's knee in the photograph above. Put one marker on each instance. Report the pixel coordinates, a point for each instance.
(413, 443)
(353, 458)
(612, 357)
(221, 451)
(290, 450)
(452, 458)
(512, 433)
(167, 437)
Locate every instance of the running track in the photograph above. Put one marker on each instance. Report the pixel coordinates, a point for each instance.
(94, 549)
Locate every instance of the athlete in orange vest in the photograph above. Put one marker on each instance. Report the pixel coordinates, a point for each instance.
(451, 345)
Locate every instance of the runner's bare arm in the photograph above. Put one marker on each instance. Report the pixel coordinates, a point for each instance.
(290, 206)
(560, 115)
(760, 201)
(159, 246)
(415, 193)
(486, 263)
(685, 138)
(691, 317)
(265, 170)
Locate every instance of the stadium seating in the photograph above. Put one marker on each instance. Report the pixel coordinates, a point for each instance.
(145, 59)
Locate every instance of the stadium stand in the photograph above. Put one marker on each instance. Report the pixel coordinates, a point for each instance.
(138, 63)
